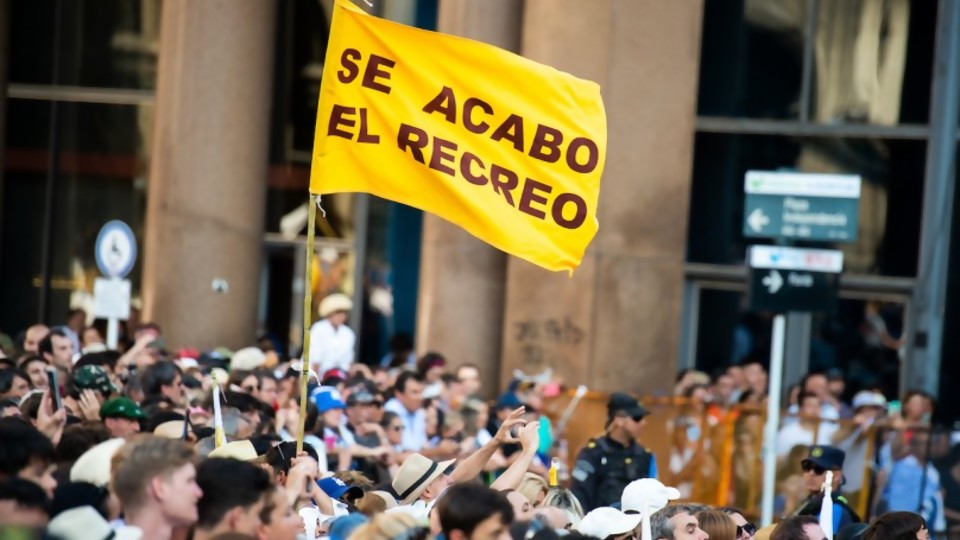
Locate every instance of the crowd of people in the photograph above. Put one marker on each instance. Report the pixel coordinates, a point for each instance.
(153, 443)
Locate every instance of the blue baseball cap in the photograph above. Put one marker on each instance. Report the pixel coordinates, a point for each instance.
(327, 398)
(337, 488)
(343, 526)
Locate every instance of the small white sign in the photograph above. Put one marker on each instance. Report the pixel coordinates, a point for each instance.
(116, 249)
(785, 258)
(111, 298)
(841, 186)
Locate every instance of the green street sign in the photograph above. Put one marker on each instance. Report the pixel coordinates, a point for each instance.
(802, 206)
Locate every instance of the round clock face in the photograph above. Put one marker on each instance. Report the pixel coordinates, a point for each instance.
(116, 249)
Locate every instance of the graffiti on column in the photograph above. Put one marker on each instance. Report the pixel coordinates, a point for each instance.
(536, 336)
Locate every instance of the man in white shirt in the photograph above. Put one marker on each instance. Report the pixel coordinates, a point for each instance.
(408, 405)
(331, 340)
(802, 432)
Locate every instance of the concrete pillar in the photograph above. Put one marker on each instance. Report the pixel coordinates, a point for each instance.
(615, 324)
(205, 204)
(460, 303)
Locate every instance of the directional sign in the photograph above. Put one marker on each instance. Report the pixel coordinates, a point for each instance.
(792, 279)
(821, 207)
(116, 249)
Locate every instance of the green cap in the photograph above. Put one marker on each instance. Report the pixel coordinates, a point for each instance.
(121, 407)
(92, 377)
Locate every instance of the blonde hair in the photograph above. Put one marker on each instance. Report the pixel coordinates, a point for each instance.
(531, 486)
(386, 526)
(717, 525)
(564, 499)
(141, 460)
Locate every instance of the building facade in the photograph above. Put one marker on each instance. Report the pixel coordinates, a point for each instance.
(193, 122)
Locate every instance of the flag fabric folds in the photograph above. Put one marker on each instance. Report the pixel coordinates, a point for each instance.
(506, 148)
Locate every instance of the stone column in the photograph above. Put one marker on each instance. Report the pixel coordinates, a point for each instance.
(461, 295)
(615, 324)
(205, 204)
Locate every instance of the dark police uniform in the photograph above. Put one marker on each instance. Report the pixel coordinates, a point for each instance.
(828, 458)
(604, 467)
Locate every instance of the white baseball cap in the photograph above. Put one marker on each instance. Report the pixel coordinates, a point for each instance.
(605, 521)
(647, 495)
(867, 398)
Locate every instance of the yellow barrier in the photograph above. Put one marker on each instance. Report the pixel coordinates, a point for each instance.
(712, 454)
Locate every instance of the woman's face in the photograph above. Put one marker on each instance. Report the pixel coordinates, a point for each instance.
(483, 415)
(434, 374)
(395, 431)
(916, 408)
(250, 384)
(332, 418)
(432, 421)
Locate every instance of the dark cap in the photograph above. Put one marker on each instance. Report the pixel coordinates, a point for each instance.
(121, 407)
(92, 377)
(625, 403)
(828, 457)
(360, 396)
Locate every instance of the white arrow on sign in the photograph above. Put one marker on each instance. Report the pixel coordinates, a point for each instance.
(773, 282)
(757, 220)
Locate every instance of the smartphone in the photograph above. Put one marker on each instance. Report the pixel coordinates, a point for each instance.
(53, 383)
(893, 408)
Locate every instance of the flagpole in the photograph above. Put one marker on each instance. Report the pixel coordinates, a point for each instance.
(307, 315)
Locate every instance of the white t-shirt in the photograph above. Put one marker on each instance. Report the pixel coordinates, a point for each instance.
(331, 348)
(792, 435)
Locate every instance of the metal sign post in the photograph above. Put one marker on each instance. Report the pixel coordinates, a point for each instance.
(775, 272)
(116, 253)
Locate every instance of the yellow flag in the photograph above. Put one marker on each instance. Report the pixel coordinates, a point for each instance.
(509, 149)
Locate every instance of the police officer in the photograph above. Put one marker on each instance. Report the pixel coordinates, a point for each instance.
(815, 467)
(613, 460)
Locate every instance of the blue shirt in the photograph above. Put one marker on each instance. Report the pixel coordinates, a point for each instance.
(414, 426)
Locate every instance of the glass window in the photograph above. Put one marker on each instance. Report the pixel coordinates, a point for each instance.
(103, 43)
(891, 200)
(103, 170)
(870, 61)
(861, 338)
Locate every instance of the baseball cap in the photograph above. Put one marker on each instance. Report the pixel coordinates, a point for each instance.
(605, 521)
(827, 457)
(92, 377)
(337, 488)
(647, 495)
(333, 376)
(360, 396)
(327, 398)
(121, 407)
(867, 398)
(625, 403)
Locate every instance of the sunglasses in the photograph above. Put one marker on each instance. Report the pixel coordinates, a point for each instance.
(396, 428)
(749, 528)
(816, 469)
(252, 388)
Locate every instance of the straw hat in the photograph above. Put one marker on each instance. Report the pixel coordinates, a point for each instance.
(170, 430)
(84, 522)
(247, 359)
(334, 303)
(242, 450)
(415, 475)
(93, 466)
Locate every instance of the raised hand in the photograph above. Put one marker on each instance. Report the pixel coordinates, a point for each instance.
(505, 433)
